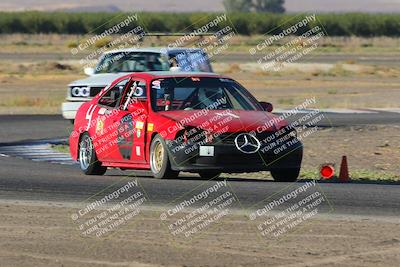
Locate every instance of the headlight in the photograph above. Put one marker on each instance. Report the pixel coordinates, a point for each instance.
(82, 91)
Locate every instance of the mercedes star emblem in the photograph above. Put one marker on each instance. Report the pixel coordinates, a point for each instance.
(247, 143)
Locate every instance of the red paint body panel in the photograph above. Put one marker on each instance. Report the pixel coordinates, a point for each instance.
(90, 119)
(239, 120)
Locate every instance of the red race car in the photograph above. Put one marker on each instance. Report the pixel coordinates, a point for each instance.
(169, 122)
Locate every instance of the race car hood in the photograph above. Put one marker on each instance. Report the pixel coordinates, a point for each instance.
(236, 120)
(98, 79)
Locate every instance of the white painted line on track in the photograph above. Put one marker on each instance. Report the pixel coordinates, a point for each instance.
(337, 111)
(394, 110)
(37, 152)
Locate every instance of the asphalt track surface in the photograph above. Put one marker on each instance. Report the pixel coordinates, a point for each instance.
(31, 127)
(22, 179)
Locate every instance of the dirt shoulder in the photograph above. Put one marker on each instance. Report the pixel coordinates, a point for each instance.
(43, 235)
(370, 148)
(373, 152)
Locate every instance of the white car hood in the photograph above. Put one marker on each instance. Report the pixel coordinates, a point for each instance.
(98, 79)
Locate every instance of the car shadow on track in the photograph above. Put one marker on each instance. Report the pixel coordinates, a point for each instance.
(192, 177)
(232, 178)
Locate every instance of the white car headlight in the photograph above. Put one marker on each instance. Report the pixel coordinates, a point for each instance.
(83, 91)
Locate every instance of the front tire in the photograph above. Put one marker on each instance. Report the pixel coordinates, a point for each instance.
(88, 161)
(159, 161)
(285, 175)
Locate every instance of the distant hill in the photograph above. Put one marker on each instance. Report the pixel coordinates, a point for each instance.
(188, 6)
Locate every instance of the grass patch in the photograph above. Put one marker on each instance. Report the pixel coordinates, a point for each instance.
(39, 68)
(61, 148)
(286, 101)
(26, 101)
(72, 44)
(338, 71)
(103, 42)
(62, 43)
(367, 45)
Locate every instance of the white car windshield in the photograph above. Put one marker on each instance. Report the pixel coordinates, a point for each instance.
(132, 62)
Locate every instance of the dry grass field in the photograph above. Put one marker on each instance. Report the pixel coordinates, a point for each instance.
(35, 71)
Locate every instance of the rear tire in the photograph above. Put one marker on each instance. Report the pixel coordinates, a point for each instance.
(209, 174)
(88, 161)
(159, 161)
(285, 175)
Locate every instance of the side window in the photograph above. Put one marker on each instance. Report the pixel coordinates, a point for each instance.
(136, 91)
(183, 62)
(191, 61)
(112, 97)
(241, 99)
(199, 61)
(235, 103)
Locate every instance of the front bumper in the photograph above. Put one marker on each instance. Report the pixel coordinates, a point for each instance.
(69, 109)
(227, 158)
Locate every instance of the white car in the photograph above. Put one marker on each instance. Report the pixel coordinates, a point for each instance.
(116, 63)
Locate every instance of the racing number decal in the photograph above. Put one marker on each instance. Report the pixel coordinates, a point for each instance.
(89, 114)
(125, 136)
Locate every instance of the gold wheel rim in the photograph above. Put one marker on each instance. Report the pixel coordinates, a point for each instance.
(158, 156)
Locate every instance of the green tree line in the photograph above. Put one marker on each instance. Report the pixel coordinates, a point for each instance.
(347, 24)
(274, 6)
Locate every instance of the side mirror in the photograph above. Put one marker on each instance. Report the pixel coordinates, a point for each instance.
(267, 106)
(88, 71)
(138, 107)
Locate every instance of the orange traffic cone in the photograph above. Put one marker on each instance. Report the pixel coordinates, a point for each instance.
(344, 171)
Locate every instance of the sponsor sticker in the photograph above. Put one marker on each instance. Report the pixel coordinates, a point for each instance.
(102, 111)
(139, 125)
(156, 84)
(150, 127)
(100, 127)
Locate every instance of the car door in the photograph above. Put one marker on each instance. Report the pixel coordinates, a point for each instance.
(106, 125)
(127, 125)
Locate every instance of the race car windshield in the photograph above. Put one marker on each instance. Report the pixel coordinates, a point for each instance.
(132, 62)
(200, 93)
